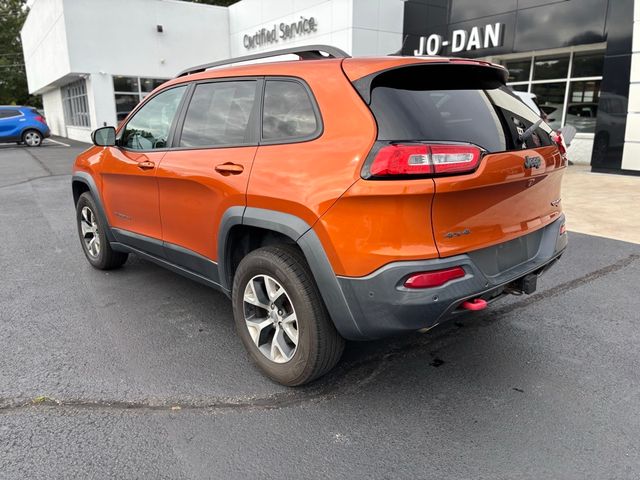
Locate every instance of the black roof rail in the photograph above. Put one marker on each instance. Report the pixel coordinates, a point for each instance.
(309, 52)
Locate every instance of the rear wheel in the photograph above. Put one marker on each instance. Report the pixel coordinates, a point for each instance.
(93, 238)
(281, 318)
(32, 138)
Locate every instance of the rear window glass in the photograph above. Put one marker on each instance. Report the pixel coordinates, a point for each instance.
(437, 115)
(288, 112)
(489, 116)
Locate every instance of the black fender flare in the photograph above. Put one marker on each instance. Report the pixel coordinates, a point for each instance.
(87, 179)
(306, 238)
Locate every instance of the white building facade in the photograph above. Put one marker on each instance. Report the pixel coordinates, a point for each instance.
(94, 60)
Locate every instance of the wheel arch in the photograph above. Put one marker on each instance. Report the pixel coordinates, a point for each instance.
(27, 128)
(82, 182)
(294, 230)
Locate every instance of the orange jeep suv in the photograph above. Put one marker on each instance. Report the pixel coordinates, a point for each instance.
(330, 197)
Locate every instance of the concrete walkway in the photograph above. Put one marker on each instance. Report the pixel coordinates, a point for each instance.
(602, 204)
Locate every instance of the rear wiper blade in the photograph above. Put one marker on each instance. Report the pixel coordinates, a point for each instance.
(529, 131)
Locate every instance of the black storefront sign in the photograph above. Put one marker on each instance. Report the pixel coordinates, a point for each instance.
(534, 25)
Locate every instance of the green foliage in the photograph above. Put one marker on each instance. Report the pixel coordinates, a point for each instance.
(13, 79)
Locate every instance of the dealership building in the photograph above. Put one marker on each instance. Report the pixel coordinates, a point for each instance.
(94, 60)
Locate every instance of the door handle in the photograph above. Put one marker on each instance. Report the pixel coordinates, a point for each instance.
(229, 169)
(146, 165)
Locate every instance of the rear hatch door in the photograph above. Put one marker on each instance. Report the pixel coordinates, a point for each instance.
(515, 188)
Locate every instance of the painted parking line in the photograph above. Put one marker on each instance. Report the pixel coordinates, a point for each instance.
(56, 141)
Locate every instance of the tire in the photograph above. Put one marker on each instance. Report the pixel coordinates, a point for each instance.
(32, 138)
(319, 346)
(90, 226)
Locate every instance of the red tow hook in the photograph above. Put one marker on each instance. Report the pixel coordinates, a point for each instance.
(475, 304)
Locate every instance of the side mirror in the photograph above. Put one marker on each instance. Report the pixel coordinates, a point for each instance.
(104, 137)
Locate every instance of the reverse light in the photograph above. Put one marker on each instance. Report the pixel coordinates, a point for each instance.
(434, 278)
(423, 159)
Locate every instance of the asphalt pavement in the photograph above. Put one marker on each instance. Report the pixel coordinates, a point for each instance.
(138, 373)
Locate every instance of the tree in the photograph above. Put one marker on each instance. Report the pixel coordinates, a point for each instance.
(13, 78)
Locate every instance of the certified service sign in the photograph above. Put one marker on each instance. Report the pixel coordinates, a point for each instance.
(477, 38)
(284, 31)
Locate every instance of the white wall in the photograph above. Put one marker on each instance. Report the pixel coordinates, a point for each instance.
(377, 26)
(580, 150)
(119, 37)
(44, 42)
(249, 16)
(52, 104)
(103, 106)
(631, 155)
(360, 27)
(64, 40)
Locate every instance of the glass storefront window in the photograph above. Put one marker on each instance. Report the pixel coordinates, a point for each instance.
(149, 84)
(125, 102)
(582, 107)
(129, 91)
(587, 64)
(551, 100)
(125, 84)
(518, 70)
(566, 95)
(552, 67)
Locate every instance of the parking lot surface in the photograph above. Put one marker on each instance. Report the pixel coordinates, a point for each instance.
(138, 372)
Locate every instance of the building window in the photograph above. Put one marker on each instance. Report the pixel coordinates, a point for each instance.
(567, 86)
(74, 101)
(129, 91)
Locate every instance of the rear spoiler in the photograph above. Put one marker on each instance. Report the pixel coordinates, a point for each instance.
(450, 74)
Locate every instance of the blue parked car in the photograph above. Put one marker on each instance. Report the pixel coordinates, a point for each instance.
(22, 125)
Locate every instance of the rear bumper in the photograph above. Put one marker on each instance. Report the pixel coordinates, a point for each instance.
(381, 306)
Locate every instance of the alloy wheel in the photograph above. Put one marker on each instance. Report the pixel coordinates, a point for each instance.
(32, 139)
(89, 228)
(270, 318)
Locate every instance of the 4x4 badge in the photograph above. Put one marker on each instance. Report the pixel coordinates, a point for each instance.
(532, 162)
(466, 231)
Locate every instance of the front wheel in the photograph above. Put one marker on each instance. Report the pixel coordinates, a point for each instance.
(281, 318)
(93, 237)
(32, 138)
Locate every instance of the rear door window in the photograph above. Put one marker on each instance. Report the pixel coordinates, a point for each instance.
(288, 112)
(9, 113)
(219, 114)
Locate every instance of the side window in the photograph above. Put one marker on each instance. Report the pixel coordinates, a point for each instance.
(149, 127)
(288, 112)
(219, 114)
(9, 113)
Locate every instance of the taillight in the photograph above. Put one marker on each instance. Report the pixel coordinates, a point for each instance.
(423, 159)
(563, 229)
(41, 119)
(434, 278)
(559, 140)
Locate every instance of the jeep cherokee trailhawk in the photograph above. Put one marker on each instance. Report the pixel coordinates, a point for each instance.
(330, 197)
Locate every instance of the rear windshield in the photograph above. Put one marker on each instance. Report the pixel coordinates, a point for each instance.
(488, 115)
